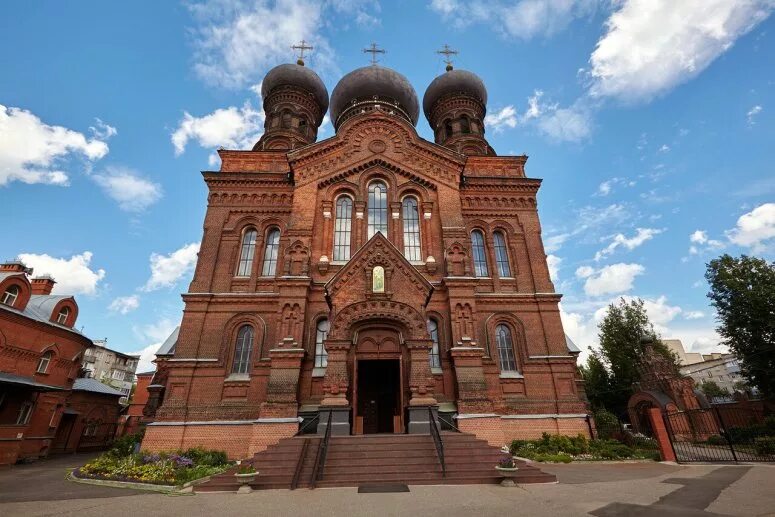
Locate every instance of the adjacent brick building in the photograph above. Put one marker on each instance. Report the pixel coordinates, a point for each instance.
(40, 359)
(368, 277)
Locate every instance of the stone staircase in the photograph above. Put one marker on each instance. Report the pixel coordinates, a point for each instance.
(378, 459)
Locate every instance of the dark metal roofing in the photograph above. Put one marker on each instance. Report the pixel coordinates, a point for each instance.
(452, 82)
(94, 386)
(374, 80)
(168, 347)
(296, 75)
(10, 378)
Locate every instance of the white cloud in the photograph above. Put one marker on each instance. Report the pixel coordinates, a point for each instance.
(101, 130)
(73, 275)
(619, 240)
(755, 229)
(616, 278)
(506, 117)
(523, 19)
(167, 270)
(234, 128)
(236, 41)
(604, 188)
(554, 242)
(31, 151)
(699, 237)
(651, 46)
(553, 262)
(157, 333)
(694, 315)
(572, 124)
(700, 243)
(752, 114)
(124, 304)
(664, 149)
(125, 186)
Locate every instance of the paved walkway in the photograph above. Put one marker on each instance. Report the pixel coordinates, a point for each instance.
(632, 489)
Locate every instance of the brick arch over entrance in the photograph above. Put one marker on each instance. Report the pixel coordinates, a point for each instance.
(406, 317)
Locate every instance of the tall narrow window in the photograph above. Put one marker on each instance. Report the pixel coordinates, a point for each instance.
(247, 252)
(465, 125)
(434, 357)
(411, 230)
(242, 350)
(480, 255)
(378, 213)
(321, 356)
(44, 361)
(10, 295)
(24, 413)
(343, 228)
(505, 348)
(501, 255)
(378, 279)
(63, 314)
(270, 253)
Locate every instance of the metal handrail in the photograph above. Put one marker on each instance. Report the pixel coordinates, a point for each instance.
(305, 426)
(436, 434)
(299, 464)
(320, 459)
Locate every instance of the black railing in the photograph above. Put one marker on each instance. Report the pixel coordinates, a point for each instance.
(306, 426)
(436, 434)
(300, 464)
(320, 459)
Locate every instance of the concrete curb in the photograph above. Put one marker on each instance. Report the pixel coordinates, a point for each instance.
(123, 484)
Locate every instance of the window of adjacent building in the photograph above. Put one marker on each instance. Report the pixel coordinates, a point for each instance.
(24, 413)
(505, 347)
(271, 251)
(378, 212)
(247, 252)
(243, 350)
(44, 361)
(343, 228)
(63, 314)
(411, 230)
(501, 255)
(10, 295)
(479, 253)
(321, 356)
(434, 357)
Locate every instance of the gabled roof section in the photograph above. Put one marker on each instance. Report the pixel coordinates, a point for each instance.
(168, 347)
(94, 386)
(379, 251)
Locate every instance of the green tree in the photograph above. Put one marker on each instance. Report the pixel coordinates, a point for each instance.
(620, 334)
(596, 381)
(742, 290)
(711, 389)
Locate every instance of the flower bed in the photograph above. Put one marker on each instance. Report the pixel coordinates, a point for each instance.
(122, 463)
(564, 449)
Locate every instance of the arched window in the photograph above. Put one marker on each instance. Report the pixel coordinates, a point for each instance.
(434, 357)
(378, 213)
(501, 255)
(63, 314)
(10, 295)
(271, 250)
(286, 119)
(465, 124)
(505, 347)
(479, 253)
(242, 350)
(378, 279)
(343, 228)
(247, 252)
(411, 230)
(447, 128)
(321, 356)
(44, 361)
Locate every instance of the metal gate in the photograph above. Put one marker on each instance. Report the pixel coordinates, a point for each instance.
(721, 434)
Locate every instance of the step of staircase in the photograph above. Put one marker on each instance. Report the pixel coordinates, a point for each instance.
(393, 458)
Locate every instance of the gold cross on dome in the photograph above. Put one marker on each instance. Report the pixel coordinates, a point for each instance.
(373, 50)
(301, 47)
(447, 52)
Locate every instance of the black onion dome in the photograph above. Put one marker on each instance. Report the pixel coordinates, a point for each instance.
(375, 80)
(296, 75)
(454, 81)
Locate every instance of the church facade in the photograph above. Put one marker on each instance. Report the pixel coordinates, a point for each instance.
(369, 281)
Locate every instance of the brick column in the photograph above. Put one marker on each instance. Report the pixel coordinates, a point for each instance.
(471, 384)
(336, 384)
(421, 386)
(283, 383)
(660, 435)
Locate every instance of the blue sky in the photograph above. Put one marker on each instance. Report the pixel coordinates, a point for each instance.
(651, 123)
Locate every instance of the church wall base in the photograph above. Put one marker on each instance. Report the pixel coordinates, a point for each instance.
(239, 440)
(499, 430)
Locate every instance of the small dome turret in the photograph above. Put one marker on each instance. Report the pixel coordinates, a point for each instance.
(365, 87)
(295, 101)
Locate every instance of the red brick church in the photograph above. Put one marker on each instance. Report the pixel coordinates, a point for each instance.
(369, 276)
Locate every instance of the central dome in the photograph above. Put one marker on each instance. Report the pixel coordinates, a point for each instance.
(374, 81)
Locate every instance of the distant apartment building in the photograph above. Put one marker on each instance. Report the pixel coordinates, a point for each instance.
(111, 367)
(723, 369)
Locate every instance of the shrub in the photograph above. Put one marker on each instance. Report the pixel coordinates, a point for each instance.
(717, 440)
(765, 445)
(606, 423)
(126, 445)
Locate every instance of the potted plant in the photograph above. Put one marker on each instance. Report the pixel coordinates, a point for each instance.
(508, 469)
(245, 474)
